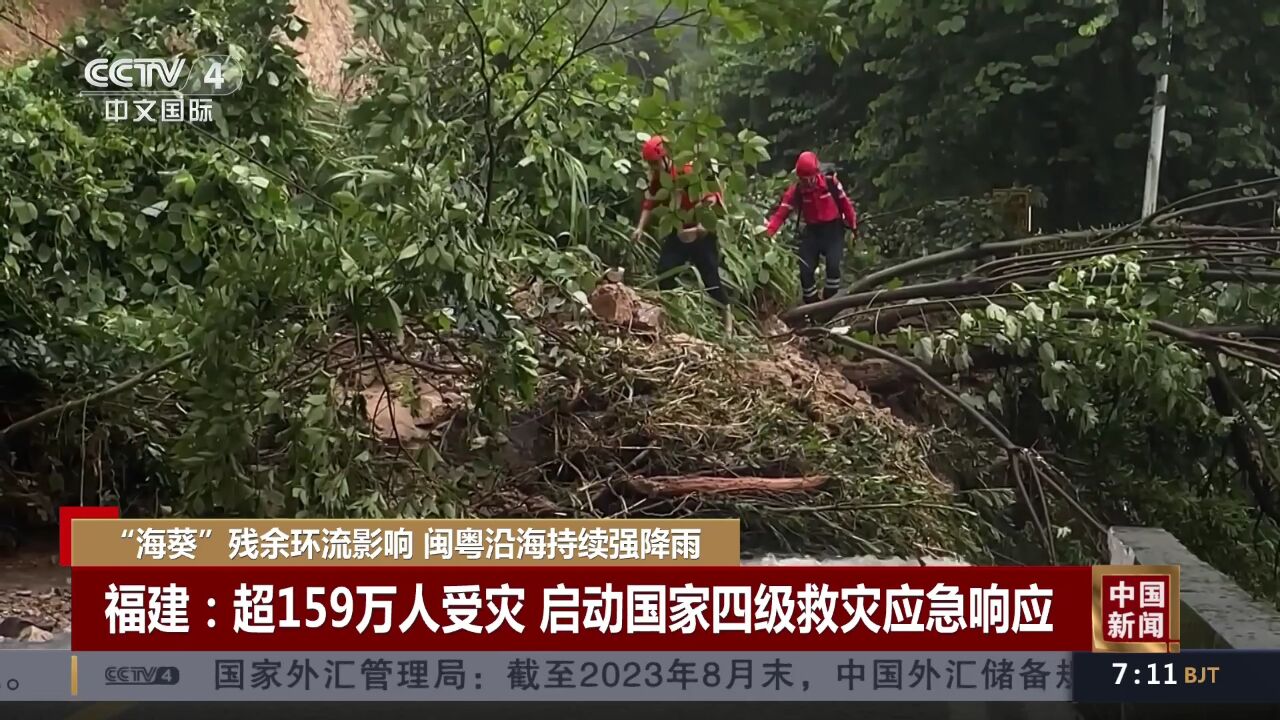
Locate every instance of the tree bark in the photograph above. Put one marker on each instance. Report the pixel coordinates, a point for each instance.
(677, 485)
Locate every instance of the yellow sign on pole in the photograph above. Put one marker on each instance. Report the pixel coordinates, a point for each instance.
(1015, 207)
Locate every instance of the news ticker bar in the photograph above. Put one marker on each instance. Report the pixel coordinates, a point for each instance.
(1188, 677)
(111, 542)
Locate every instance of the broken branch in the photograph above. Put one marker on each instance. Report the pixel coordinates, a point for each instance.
(678, 485)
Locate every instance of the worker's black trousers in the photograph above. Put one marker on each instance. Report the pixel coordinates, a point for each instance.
(703, 254)
(821, 241)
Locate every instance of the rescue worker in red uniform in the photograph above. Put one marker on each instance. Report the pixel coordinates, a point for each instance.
(827, 212)
(693, 244)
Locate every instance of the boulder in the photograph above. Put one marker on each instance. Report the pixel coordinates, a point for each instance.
(617, 304)
(34, 634)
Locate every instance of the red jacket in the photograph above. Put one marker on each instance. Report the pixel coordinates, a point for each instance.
(818, 204)
(686, 202)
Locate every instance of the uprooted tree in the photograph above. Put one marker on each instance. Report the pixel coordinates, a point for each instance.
(1126, 374)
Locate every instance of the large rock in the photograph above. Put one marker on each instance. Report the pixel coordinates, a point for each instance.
(618, 304)
(23, 629)
(34, 634)
(397, 421)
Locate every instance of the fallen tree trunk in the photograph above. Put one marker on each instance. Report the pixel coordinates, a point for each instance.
(677, 485)
(1157, 222)
(884, 320)
(881, 376)
(987, 286)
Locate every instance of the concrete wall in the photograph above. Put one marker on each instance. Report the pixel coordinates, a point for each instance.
(1216, 612)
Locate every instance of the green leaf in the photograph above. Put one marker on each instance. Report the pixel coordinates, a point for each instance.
(23, 211)
(924, 349)
(155, 208)
(446, 262)
(409, 252)
(1047, 354)
(650, 107)
(395, 312)
(951, 25)
(345, 202)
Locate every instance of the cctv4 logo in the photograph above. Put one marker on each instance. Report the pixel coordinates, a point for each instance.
(209, 75)
(141, 675)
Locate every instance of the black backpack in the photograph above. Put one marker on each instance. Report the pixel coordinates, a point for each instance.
(837, 192)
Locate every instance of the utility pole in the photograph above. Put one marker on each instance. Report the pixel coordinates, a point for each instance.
(1151, 190)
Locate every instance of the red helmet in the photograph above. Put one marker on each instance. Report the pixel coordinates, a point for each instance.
(807, 164)
(654, 149)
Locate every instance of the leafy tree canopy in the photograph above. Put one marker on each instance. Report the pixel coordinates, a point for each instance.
(942, 99)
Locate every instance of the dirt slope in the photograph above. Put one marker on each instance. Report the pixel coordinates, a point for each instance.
(46, 18)
(328, 41)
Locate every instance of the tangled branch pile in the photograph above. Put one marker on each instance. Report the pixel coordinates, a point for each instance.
(631, 423)
(1111, 345)
(632, 419)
